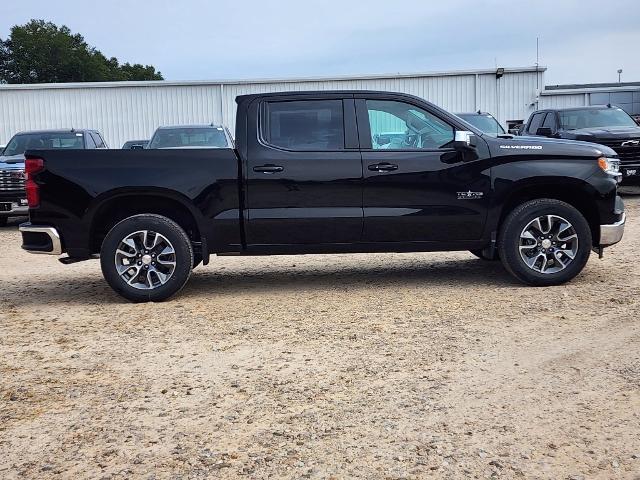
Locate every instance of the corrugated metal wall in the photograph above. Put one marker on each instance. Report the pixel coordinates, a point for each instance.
(133, 111)
(563, 100)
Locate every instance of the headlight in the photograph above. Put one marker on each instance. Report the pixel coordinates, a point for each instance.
(609, 165)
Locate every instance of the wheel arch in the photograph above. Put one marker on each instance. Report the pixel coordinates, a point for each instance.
(576, 193)
(109, 209)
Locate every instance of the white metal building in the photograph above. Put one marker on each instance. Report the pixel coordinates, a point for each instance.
(132, 110)
(624, 95)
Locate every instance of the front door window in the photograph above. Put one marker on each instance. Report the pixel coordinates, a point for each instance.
(401, 126)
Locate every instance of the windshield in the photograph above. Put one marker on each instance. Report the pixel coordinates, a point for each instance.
(135, 143)
(213, 137)
(484, 122)
(594, 118)
(43, 141)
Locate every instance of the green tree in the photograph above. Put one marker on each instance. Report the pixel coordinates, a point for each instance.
(41, 52)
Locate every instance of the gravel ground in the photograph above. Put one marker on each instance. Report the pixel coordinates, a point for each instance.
(345, 366)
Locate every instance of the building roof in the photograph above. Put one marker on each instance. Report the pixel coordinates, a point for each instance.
(171, 83)
(586, 86)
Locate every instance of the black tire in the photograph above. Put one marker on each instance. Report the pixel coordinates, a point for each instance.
(484, 255)
(157, 224)
(3, 221)
(515, 223)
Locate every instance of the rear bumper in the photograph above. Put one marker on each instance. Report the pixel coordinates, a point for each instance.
(40, 239)
(612, 234)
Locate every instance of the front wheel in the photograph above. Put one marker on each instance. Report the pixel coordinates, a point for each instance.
(544, 242)
(146, 258)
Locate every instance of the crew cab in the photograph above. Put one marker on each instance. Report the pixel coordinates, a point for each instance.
(13, 201)
(603, 124)
(327, 172)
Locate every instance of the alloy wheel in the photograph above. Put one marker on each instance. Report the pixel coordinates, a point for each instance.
(145, 259)
(548, 244)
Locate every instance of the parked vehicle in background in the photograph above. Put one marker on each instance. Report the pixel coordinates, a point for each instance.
(13, 197)
(135, 144)
(516, 129)
(191, 136)
(307, 176)
(603, 124)
(483, 121)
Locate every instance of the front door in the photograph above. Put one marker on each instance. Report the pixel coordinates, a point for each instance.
(304, 174)
(417, 187)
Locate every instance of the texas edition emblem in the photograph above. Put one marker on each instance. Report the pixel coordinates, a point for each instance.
(469, 195)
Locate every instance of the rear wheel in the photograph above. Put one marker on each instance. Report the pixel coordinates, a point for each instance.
(544, 242)
(146, 258)
(3, 221)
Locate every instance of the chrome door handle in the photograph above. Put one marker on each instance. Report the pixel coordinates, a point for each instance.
(268, 168)
(382, 167)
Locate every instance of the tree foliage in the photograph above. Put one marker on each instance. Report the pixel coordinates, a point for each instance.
(42, 52)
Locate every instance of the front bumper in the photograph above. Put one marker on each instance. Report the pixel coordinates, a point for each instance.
(612, 233)
(40, 239)
(13, 209)
(630, 175)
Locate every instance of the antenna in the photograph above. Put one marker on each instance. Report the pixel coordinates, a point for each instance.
(537, 61)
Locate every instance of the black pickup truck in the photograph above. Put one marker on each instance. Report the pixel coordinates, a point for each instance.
(327, 172)
(603, 124)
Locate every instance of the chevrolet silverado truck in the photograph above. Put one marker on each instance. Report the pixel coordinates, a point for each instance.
(327, 172)
(13, 198)
(603, 124)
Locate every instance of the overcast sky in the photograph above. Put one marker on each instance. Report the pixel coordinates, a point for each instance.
(580, 40)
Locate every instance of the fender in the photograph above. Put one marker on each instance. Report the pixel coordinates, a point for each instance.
(577, 181)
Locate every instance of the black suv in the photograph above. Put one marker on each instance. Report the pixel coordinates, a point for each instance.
(604, 124)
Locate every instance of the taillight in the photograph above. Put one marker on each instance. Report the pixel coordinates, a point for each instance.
(32, 165)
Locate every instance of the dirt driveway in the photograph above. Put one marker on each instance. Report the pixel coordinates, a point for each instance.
(345, 366)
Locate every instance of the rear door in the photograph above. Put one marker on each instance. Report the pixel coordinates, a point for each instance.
(304, 171)
(417, 187)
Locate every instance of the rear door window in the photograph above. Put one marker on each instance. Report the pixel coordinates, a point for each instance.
(91, 144)
(307, 125)
(98, 140)
(550, 121)
(536, 122)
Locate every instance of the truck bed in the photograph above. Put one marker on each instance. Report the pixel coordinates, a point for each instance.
(77, 185)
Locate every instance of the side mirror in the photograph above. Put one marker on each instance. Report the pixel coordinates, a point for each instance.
(544, 132)
(464, 140)
(514, 131)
